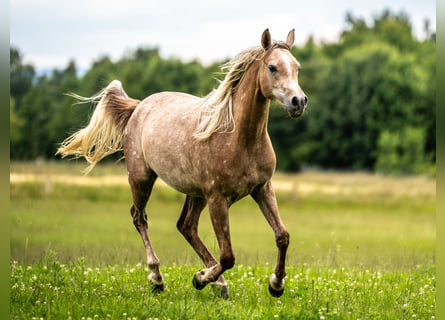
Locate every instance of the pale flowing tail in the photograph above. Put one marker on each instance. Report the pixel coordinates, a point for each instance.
(104, 134)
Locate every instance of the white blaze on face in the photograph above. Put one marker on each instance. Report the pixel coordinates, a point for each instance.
(286, 85)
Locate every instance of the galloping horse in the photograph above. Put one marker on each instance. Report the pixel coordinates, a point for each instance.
(214, 149)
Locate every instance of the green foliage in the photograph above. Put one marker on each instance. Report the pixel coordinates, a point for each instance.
(370, 88)
(21, 75)
(412, 150)
(377, 77)
(401, 152)
(388, 27)
(15, 123)
(388, 152)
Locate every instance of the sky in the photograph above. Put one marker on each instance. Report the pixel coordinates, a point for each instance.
(50, 33)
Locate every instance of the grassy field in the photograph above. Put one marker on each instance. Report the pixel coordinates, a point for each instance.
(362, 247)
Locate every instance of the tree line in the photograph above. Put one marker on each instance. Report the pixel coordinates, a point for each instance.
(371, 97)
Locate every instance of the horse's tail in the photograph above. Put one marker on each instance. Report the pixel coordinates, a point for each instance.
(104, 134)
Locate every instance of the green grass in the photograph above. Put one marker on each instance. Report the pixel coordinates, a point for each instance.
(362, 247)
(52, 290)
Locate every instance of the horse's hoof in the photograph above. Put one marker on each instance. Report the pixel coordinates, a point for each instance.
(223, 291)
(157, 283)
(275, 293)
(157, 288)
(197, 284)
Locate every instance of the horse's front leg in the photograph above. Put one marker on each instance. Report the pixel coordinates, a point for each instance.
(219, 214)
(265, 197)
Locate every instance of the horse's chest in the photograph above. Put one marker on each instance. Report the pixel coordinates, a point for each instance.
(257, 171)
(236, 177)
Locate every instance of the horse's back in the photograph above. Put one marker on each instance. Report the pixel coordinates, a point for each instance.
(163, 110)
(159, 135)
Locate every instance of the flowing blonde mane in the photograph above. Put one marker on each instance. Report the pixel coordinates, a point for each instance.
(216, 110)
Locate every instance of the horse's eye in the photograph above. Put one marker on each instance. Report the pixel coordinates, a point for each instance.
(272, 68)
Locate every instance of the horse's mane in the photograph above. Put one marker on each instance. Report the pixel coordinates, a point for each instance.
(216, 110)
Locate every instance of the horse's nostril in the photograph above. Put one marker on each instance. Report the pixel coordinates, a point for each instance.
(294, 101)
(305, 100)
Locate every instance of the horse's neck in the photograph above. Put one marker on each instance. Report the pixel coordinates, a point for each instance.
(250, 108)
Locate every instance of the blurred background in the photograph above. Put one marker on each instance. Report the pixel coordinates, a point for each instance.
(367, 68)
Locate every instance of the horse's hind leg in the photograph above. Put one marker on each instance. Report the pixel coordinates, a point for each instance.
(141, 185)
(188, 226)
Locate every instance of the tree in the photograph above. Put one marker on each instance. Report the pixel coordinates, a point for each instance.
(21, 76)
(401, 151)
(370, 88)
(15, 123)
(394, 29)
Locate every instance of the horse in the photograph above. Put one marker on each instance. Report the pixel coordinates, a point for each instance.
(215, 149)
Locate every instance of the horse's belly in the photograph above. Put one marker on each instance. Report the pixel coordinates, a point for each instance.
(180, 183)
(229, 188)
(173, 167)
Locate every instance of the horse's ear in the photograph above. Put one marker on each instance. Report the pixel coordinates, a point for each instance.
(266, 40)
(290, 38)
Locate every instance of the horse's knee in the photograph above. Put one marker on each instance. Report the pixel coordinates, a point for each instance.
(179, 225)
(181, 228)
(282, 240)
(187, 231)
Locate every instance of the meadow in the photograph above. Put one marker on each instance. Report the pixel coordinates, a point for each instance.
(362, 247)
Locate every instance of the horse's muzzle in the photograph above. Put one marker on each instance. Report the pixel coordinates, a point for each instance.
(297, 107)
(296, 114)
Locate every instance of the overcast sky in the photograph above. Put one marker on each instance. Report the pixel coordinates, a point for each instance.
(51, 32)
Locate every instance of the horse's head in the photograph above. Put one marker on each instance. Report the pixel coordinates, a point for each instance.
(278, 75)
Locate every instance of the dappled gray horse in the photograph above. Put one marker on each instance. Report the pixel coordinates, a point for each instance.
(214, 149)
